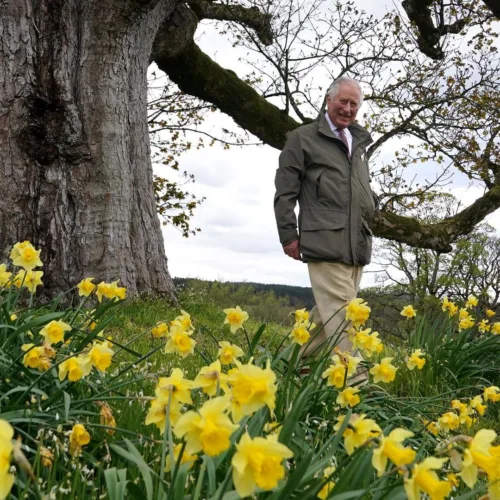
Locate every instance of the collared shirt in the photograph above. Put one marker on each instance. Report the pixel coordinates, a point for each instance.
(336, 132)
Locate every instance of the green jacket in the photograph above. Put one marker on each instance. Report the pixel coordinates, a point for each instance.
(334, 194)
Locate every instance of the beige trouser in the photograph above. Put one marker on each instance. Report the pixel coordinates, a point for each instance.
(333, 284)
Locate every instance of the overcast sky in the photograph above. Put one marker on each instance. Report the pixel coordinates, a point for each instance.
(239, 240)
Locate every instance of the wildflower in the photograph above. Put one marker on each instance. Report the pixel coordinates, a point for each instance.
(251, 388)
(358, 312)
(101, 355)
(448, 421)
(480, 454)
(477, 404)
(471, 302)
(258, 463)
(75, 368)
(6, 448)
(4, 275)
(229, 352)
(483, 326)
(495, 328)
(160, 330)
(367, 342)
(391, 448)
(28, 279)
(348, 397)
(106, 416)
(299, 334)
(207, 430)
(78, 438)
(54, 331)
(185, 459)
(408, 312)
(177, 385)
(384, 371)
(491, 394)
(46, 457)
(179, 342)
(301, 316)
(157, 413)
(359, 430)
(328, 487)
(424, 478)
(235, 317)
(86, 287)
(26, 256)
(210, 377)
(185, 320)
(488, 312)
(416, 360)
(336, 374)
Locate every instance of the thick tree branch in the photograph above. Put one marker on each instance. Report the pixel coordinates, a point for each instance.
(251, 17)
(494, 6)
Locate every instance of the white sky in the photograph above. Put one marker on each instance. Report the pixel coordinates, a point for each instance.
(239, 240)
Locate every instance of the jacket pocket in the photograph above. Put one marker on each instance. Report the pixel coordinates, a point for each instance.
(364, 244)
(323, 236)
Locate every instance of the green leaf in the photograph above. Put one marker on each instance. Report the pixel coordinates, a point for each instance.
(293, 416)
(67, 404)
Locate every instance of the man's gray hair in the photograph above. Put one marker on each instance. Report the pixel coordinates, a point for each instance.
(344, 80)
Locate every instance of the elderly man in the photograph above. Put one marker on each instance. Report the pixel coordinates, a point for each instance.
(323, 166)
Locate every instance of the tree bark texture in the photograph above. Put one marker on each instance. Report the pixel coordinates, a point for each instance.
(76, 175)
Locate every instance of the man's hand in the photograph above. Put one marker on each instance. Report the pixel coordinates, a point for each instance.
(292, 250)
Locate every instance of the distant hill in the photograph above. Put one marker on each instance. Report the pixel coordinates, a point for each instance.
(298, 296)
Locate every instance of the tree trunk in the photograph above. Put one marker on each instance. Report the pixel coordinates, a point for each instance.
(74, 148)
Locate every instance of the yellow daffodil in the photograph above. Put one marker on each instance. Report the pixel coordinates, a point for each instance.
(157, 413)
(179, 342)
(301, 316)
(368, 343)
(464, 412)
(359, 430)
(453, 479)
(101, 355)
(384, 371)
(357, 312)
(207, 430)
(210, 377)
(6, 448)
(328, 487)
(299, 334)
(119, 292)
(431, 427)
(346, 359)
(185, 320)
(258, 463)
(53, 332)
(26, 256)
(160, 330)
(86, 287)
(235, 317)
(251, 388)
(483, 326)
(348, 397)
(465, 323)
(491, 393)
(477, 404)
(391, 448)
(5, 276)
(463, 314)
(416, 360)
(185, 459)
(46, 457)
(78, 438)
(228, 353)
(488, 312)
(448, 421)
(336, 375)
(33, 355)
(423, 478)
(28, 279)
(408, 312)
(471, 302)
(495, 328)
(110, 291)
(75, 368)
(106, 416)
(449, 306)
(177, 386)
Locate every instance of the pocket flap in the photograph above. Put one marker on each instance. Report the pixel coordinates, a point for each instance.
(315, 221)
(367, 227)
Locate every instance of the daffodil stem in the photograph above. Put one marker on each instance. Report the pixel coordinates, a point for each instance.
(250, 349)
(291, 368)
(199, 483)
(225, 483)
(167, 436)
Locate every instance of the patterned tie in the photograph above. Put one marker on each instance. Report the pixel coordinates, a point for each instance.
(343, 138)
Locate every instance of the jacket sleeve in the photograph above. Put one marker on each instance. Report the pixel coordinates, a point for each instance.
(288, 181)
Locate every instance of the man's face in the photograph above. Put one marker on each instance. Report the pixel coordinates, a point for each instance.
(342, 108)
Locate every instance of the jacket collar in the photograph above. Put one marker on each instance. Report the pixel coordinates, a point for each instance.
(359, 133)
